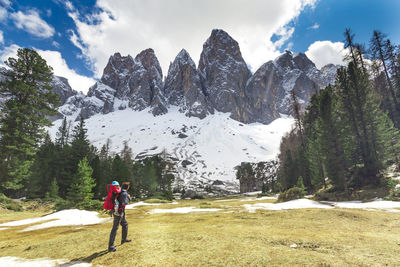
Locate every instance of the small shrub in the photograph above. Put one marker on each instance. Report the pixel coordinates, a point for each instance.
(264, 195)
(14, 206)
(198, 197)
(90, 204)
(9, 204)
(4, 199)
(292, 193)
(162, 196)
(62, 204)
(394, 190)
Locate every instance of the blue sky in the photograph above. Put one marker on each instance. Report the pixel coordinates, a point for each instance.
(77, 37)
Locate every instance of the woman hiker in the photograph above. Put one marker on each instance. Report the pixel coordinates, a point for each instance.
(120, 200)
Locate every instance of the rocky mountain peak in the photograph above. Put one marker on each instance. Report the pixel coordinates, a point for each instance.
(285, 60)
(222, 82)
(62, 88)
(224, 74)
(220, 39)
(183, 87)
(303, 62)
(149, 60)
(183, 57)
(117, 65)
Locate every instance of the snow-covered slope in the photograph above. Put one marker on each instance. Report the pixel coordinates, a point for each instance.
(211, 147)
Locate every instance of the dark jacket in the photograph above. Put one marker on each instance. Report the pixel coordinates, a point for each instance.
(123, 199)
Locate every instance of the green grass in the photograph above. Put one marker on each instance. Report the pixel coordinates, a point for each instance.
(156, 200)
(335, 237)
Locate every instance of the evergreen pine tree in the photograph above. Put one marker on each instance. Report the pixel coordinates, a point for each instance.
(377, 47)
(120, 170)
(62, 134)
(29, 99)
(52, 192)
(43, 169)
(82, 184)
(331, 140)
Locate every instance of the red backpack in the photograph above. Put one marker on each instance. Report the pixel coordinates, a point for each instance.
(108, 204)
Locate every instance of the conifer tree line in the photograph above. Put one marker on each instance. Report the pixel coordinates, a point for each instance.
(69, 168)
(81, 172)
(350, 131)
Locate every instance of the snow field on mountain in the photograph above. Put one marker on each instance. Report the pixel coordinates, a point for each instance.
(213, 145)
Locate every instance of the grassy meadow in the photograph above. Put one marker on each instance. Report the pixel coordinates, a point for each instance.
(229, 237)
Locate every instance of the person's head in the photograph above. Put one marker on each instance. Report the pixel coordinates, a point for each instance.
(115, 183)
(126, 185)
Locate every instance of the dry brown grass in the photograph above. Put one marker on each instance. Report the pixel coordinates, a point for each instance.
(334, 237)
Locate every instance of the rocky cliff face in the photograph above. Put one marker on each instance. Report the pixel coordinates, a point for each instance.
(62, 88)
(224, 74)
(269, 88)
(136, 81)
(222, 82)
(183, 87)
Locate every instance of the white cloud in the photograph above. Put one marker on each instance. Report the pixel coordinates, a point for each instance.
(60, 67)
(9, 51)
(325, 52)
(55, 44)
(5, 3)
(1, 37)
(3, 13)
(314, 27)
(129, 26)
(32, 23)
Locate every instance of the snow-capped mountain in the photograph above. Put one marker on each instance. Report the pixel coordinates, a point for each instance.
(210, 118)
(204, 150)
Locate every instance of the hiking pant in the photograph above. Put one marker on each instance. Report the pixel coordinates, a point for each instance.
(117, 221)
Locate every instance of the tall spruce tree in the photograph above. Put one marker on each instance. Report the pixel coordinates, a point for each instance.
(29, 100)
(331, 140)
(378, 47)
(43, 169)
(82, 184)
(63, 134)
(80, 146)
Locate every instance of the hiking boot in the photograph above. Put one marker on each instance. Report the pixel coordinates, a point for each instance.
(126, 240)
(112, 249)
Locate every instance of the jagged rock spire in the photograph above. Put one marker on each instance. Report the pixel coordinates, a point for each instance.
(183, 87)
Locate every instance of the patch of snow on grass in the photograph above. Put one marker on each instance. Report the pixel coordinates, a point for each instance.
(60, 218)
(293, 204)
(19, 262)
(376, 204)
(3, 228)
(181, 210)
(379, 204)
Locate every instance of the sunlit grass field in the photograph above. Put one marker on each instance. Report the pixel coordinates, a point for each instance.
(229, 237)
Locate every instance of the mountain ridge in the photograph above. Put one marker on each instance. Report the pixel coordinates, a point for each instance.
(221, 82)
